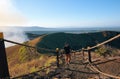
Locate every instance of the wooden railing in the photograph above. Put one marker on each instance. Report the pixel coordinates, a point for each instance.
(4, 72)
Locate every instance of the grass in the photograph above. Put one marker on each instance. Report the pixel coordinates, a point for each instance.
(106, 50)
(26, 54)
(48, 63)
(23, 55)
(32, 66)
(33, 69)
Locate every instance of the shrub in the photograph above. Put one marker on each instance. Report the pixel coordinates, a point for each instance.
(105, 50)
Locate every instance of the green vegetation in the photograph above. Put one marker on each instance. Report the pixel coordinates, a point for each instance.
(105, 51)
(32, 36)
(77, 41)
(48, 63)
(33, 69)
(27, 54)
(23, 54)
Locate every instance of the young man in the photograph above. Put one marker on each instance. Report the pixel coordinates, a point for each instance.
(67, 49)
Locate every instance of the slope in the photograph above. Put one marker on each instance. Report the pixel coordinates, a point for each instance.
(23, 60)
(77, 41)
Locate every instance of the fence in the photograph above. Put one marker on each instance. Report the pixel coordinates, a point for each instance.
(4, 73)
(90, 61)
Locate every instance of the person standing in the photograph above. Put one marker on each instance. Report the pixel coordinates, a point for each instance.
(67, 49)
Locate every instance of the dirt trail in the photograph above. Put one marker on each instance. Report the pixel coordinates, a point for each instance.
(79, 69)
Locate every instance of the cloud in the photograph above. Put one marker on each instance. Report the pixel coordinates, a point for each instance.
(10, 15)
(13, 34)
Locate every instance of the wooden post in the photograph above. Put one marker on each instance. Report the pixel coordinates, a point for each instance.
(83, 53)
(89, 55)
(4, 72)
(57, 58)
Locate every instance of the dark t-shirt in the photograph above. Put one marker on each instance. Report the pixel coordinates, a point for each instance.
(67, 49)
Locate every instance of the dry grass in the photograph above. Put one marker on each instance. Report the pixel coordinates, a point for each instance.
(33, 62)
(31, 66)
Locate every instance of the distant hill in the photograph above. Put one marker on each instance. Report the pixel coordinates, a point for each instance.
(31, 28)
(77, 41)
(73, 29)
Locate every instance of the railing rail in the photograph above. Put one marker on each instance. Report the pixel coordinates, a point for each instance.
(4, 60)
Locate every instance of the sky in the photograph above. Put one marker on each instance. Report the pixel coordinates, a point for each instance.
(60, 13)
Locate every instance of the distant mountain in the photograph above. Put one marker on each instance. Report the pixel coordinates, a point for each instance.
(78, 29)
(31, 28)
(36, 28)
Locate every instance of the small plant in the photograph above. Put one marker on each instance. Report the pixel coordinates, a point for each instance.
(105, 50)
(33, 69)
(23, 54)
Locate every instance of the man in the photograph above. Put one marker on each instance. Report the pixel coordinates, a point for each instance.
(67, 49)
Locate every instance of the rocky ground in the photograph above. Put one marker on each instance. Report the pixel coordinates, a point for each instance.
(78, 69)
